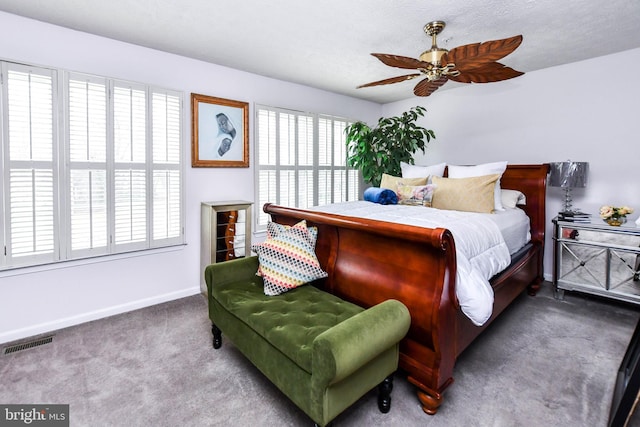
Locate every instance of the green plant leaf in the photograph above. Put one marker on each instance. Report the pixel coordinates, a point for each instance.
(381, 149)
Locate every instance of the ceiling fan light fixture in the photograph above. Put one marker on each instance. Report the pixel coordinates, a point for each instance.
(472, 63)
(436, 73)
(450, 70)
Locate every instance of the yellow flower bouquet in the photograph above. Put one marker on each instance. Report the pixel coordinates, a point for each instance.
(614, 215)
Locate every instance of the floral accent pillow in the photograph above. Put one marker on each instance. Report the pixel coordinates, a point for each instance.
(287, 259)
(415, 194)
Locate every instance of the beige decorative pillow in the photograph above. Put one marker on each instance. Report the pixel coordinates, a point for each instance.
(391, 182)
(481, 170)
(474, 194)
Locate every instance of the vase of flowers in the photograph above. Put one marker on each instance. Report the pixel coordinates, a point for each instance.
(614, 215)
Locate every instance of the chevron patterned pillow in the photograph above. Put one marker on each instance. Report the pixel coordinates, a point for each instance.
(288, 259)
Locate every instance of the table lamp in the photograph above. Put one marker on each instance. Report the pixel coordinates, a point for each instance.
(568, 175)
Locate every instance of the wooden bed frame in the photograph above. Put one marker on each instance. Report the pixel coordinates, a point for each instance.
(370, 261)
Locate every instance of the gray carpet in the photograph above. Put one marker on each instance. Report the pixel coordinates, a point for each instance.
(542, 363)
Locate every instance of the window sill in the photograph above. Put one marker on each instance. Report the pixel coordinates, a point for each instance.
(20, 270)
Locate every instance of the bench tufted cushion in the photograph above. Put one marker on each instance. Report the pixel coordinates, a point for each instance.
(291, 321)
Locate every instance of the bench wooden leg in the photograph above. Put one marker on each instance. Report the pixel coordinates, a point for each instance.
(217, 336)
(384, 394)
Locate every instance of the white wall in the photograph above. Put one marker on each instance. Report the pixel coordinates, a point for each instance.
(38, 300)
(585, 111)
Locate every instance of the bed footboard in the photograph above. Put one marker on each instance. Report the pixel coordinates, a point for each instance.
(369, 261)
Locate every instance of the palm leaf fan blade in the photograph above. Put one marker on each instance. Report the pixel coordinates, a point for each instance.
(478, 54)
(488, 73)
(426, 88)
(401, 61)
(390, 80)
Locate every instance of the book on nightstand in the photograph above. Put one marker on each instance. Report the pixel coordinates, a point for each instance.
(571, 216)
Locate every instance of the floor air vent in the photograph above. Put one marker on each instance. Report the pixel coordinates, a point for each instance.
(29, 344)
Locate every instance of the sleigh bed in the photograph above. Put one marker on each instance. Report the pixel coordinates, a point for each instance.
(369, 261)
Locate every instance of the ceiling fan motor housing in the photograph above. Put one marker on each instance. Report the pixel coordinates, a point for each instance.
(433, 55)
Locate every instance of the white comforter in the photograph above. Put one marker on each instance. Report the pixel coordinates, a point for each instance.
(481, 251)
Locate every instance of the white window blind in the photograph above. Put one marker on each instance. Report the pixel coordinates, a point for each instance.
(167, 183)
(119, 185)
(87, 163)
(29, 144)
(129, 142)
(301, 160)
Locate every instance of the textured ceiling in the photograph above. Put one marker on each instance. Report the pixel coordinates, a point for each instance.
(326, 43)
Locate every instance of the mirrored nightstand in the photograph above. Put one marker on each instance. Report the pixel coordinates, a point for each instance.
(597, 258)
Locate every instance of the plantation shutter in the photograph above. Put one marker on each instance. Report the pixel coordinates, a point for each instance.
(305, 165)
(87, 165)
(325, 149)
(301, 160)
(167, 155)
(286, 177)
(267, 145)
(98, 173)
(29, 180)
(130, 172)
(95, 169)
(347, 179)
(338, 183)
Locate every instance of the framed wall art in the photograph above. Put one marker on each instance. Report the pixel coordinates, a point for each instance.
(219, 132)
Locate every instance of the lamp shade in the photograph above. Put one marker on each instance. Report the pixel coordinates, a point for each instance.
(569, 174)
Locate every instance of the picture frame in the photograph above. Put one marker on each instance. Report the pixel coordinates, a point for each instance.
(219, 132)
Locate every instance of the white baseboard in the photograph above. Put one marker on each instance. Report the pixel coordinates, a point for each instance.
(49, 327)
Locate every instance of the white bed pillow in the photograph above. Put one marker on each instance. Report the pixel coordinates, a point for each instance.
(481, 170)
(415, 171)
(512, 198)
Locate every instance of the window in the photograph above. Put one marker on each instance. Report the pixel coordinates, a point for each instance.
(302, 160)
(90, 166)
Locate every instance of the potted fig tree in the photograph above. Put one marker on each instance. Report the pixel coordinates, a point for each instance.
(379, 150)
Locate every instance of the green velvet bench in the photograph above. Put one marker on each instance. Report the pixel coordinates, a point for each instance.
(320, 351)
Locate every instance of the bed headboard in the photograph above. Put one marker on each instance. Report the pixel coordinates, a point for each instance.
(532, 181)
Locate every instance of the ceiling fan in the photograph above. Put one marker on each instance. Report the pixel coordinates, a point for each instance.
(471, 63)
